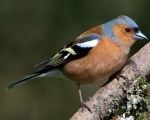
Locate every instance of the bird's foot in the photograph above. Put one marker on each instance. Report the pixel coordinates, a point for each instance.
(118, 75)
(122, 76)
(84, 105)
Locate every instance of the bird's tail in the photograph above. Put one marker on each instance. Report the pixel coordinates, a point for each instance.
(36, 74)
(23, 80)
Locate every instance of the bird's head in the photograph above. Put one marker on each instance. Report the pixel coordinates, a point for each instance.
(123, 30)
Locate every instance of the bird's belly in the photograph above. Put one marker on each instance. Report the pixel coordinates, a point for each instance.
(88, 72)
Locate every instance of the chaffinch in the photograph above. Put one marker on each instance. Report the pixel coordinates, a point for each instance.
(95, 54)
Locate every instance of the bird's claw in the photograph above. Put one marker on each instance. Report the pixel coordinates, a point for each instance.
(122, 76)
(84, 105)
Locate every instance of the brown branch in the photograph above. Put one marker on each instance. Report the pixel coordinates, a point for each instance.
(108, 98)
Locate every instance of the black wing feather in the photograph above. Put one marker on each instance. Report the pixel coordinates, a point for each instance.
(79, 52)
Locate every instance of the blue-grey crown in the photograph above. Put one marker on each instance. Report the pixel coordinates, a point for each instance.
(126, 21)
(107, 27)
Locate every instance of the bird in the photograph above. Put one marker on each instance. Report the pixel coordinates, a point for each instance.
(95, 54)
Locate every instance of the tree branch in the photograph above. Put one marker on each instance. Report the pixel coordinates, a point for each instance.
(109, 97)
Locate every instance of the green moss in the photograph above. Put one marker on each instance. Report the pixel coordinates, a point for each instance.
(136, 102)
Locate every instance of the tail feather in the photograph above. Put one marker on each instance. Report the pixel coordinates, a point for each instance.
(38, 73)
(23, 80)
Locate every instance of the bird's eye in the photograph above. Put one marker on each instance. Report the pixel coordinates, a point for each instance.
(128, 29)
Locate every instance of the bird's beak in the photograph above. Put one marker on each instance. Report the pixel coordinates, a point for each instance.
(139, 36)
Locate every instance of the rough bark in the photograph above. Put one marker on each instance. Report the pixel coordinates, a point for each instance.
(108, 98)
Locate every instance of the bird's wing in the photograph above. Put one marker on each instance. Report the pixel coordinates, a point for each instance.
(74, 50)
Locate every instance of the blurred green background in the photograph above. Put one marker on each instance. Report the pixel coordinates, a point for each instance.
(32, 31)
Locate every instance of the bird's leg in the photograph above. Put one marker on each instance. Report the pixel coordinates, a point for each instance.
(122, 76)
(83, 104)
(117, 75)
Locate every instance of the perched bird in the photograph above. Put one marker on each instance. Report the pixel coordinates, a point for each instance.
(95, 54)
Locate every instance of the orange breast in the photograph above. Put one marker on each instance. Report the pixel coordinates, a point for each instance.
(103, 60)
